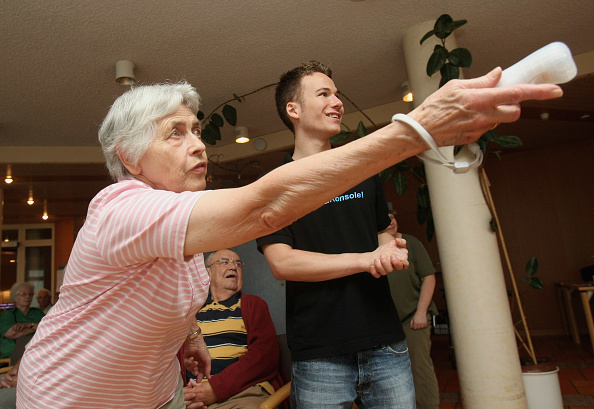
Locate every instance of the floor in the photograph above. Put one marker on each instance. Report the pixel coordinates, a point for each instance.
(576, 373)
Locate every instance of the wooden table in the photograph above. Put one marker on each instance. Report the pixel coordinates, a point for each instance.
(586, 289)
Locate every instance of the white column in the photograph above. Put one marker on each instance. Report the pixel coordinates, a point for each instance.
(482, 329)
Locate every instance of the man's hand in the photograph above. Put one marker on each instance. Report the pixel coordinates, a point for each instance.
(197, 358)
(198, 395)
(419, 320)
(9, 379)
(388, 257)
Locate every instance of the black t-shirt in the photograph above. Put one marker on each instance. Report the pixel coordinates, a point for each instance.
(347, 314)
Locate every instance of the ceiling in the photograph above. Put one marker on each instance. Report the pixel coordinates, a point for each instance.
(58, 68)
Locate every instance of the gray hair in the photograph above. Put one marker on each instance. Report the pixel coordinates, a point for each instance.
(130, 124)
(16, 287)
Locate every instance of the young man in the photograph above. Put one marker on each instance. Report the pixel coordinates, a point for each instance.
(344, 332)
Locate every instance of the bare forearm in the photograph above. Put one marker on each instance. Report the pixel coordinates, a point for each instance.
(426, 295)
(459, 113)
(312, 267)
(228, 217)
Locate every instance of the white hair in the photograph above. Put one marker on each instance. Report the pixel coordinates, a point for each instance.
(130, 124)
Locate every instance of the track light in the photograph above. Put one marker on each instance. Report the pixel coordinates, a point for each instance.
(8, 179)
(125, 72)
(45, 216)
(407, 95)
(241, 134)
(30, 201)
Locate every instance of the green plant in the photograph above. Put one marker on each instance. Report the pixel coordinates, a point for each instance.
(213, 122)
(448, 63)
(530, 278)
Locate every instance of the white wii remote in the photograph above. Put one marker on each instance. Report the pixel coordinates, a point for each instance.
(552, 64)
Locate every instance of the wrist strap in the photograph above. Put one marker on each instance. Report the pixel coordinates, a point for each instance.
(457, 167)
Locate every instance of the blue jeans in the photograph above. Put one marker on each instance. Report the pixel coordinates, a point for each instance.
(375, 378)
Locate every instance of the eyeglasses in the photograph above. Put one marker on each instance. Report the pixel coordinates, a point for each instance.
(225, 262)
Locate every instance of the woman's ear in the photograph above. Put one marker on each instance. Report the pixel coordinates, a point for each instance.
(133, 168)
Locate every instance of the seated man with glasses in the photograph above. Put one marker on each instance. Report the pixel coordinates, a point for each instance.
(241, 339)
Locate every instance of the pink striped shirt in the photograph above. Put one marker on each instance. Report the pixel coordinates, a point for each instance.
(125, 307)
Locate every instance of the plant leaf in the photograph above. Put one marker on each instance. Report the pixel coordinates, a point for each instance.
(422, 214)
(532, 266)
(200, 115)
(509, 141)
(497, 153)
(436, 61)
(493, 224)
(237, 98)
(460, 57)
(419, 171)
(403, 166)
(399, 182)
(217, 120)
(536, 283)
(361, 130)
(457, 149)
(230, 114)
(457, 24)
(448, 72)
(490, 135)
(443, 26)
(340, 137)
(423, 196)
(208, 135)
(213, 130)
(426, 36)
(483, 145)
(430, 228)
(387, 173)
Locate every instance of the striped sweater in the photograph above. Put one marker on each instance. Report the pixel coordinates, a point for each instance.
(128, 298)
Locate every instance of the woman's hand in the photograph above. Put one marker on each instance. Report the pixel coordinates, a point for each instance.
(20, 329)
(462, 110)
(197, 358)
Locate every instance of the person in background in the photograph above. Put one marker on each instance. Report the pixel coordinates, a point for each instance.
(412, 291)
(241, 339)
(20, 321)
(8, 383)
(44, 299)
(136, 278)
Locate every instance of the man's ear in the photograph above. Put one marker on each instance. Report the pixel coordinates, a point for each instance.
(293, 110)
(133, 168)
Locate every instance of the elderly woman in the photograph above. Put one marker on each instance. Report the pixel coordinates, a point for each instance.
(20, 321)
(136, 275)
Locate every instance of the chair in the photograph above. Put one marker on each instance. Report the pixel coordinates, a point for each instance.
(17, 353)
(277, 398)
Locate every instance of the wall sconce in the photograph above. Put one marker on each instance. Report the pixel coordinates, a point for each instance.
(8, 178)
(125, 72)
(407, 95)
(45, 216)
(241, 134)
(30, 201)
